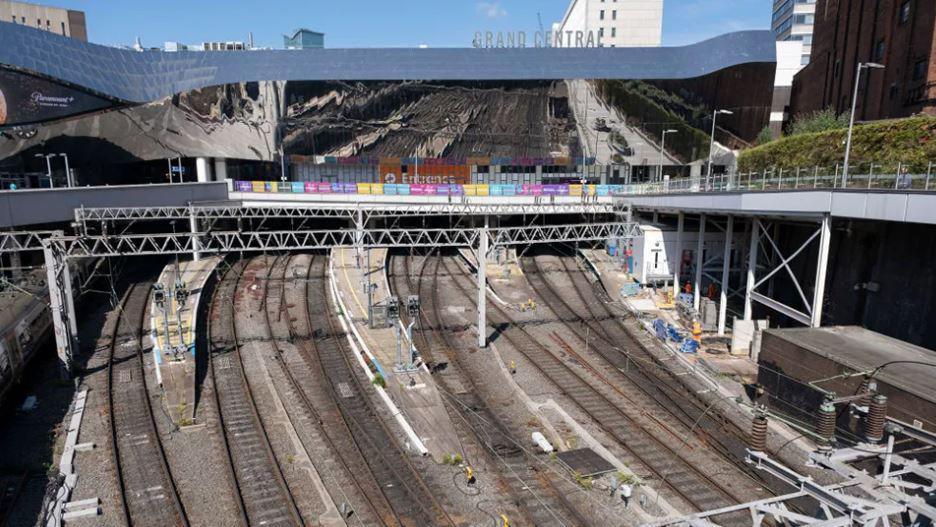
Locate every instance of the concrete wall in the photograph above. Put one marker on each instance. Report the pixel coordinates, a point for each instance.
(19, 208)
(637, 23)
(60, 21)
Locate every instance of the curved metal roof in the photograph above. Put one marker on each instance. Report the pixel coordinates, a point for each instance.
(150, 75)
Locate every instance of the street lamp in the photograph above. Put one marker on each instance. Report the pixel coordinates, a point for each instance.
(851, 121)
(68, 174)
(48, 159)
(715, 115)
(662, 147)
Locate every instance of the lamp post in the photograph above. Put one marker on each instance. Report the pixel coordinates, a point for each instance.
(662, 148)
(48, 159)
(68, 174)
(711, 150)
(851, 121)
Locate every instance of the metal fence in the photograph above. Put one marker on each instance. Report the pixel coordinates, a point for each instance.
(797, 179)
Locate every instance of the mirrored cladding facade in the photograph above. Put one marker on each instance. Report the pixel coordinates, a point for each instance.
(147, 76)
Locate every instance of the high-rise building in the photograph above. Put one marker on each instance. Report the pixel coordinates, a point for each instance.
(900, 34)
(613, 23)
(67, 22)
(304, 39)
(793, 20)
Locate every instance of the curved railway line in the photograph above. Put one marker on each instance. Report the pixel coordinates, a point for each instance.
(413, 503)
(535, 493)
(263, 495)
(645, 453)
(148, 494)
(640, 368)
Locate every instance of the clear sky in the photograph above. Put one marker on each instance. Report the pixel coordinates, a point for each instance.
(377, 23)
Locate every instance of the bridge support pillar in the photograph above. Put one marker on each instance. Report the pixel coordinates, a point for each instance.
(64, 325)
(202, 170)
(700, 261)
(220, 169)
(680, 225)
(482, 285)
(825, 238)
(751, 268)
(726, 267)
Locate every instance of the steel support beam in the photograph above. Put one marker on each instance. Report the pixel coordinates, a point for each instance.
(700, 248)
(680, 225)
(726, 267)
(193, 228)
(751, 268)
(482, 284)
(825, 239)
(16, 241)
(64, 326)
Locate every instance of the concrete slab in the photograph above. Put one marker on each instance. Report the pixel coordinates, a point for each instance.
(173, 336)
(414, 393)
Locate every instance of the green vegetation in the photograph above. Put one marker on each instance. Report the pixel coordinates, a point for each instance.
(653, 110)
(764, 136)
(910, 141)
(584, 481)
(379, 381)
(815, 122)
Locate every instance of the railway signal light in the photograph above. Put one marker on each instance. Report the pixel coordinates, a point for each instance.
(159, 294)
(412, 306)
(393, 308)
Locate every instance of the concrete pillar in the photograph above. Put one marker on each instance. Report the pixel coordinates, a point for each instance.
(726, 267)
(751, 268)
(700, 248)
(680, 225)
(482, 285)
(202, 170)
(220, 169)
(825, 238)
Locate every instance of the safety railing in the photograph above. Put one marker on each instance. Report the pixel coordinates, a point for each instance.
(796, 179)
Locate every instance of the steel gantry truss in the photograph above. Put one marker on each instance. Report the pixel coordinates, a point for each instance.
(20, 241)
(59, 248)
(904, 488)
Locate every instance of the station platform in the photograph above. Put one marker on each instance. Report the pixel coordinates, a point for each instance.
(415, 393)
(173, 332)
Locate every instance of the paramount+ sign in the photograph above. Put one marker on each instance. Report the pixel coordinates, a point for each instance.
(539, 39)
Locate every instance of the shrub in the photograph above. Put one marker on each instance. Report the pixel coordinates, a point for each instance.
(765, 136)
(911, 141)
(820, 121)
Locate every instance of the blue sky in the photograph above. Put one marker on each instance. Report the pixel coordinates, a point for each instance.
(374, 23)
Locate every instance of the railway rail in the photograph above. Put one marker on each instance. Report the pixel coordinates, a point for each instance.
(413, 503)
(344, 464)
(588, 305)
(262, 493)
(148, 493)
(645, 453)
(537, 496)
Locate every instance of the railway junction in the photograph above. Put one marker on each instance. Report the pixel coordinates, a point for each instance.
(523, 339)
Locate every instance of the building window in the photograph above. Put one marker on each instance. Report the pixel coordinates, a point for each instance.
(614, 15)
(804, 60)
(893, 91)
(601, 15)
(63, 28)
(613, 32)
(905, 12)
(919, 70)
(803, 19)
(38, 22)
(600, 31)
(14, 19)
(879, 50)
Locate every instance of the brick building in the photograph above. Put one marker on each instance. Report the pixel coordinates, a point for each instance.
(901, 34)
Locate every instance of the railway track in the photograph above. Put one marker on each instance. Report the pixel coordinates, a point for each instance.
(413, 503)
(631, 359)
(262, 493)
(534, 492)
(148, 493)
(645, 454)
(344, 466)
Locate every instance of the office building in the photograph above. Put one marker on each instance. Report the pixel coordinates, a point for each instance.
(66, 22)
(612, 23)
(304, 39)
(793, 21)
(900, 34)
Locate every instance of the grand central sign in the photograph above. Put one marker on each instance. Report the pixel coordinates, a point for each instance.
(541, 39)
